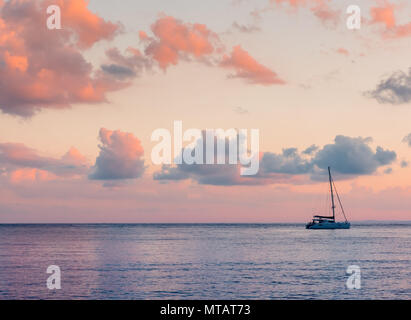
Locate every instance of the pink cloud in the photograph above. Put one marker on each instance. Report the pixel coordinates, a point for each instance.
(143, 35)
(74, 157)
(41, 68)
(292, 3)
(324, 13)
(174, 39)
(320, 9)
(30, 175)
(248, 68)
(342, 51)
(31, 80)
(403, 30)
(21, 162)
(88, 27)
(121, 156)
(385, 14)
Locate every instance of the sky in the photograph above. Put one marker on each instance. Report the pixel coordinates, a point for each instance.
(79, 105)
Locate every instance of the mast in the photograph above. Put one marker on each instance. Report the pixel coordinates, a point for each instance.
(332, 193)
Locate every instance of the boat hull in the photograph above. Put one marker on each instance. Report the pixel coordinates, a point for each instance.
(328, 225)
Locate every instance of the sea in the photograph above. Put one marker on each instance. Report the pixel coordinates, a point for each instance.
(205, 261)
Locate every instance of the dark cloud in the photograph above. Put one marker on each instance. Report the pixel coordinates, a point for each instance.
(385, 157)
(210, 174)
(388, 171)
(404, 164)
(396, 89)
(348, 157)
(129, 65)
(407, 139)
(352, 156)
(120, 156)
(288, 162)
(311, 149)
(118, 71)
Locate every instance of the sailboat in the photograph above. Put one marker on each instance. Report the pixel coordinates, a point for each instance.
(328, 222)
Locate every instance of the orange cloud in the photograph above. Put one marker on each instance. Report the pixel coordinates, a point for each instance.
(30, 175)
(320, 8)
(383, 15)
(248, 68)
(343, 51)
(403, 30)
(174, 39)
(143, 35)
(88, 27)
(74, 157)
(41, 68)
(293, 3)
(15, 62)
(324, 13)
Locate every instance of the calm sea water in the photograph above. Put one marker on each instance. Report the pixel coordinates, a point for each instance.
(216, 261)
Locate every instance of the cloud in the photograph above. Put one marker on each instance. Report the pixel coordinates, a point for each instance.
(292, 3)
(88, 27)
(385, 14)
(407, 139)
(246, 67)
(402, 31)
(396, 89)
(288, 162)
(348, 157)
(23, 163)
(384, 157)
(324, 13)
(41, 68)
(120, 156)
(174, 40)
(118, 71)
(388, 171)
(245, 28)
(352, 156)
(404, 164)
(342, 51)
(125, 66)
(74, 157)
(208, 174)
(30, 175)
(311, 149)
(319, 8)
(240, 110)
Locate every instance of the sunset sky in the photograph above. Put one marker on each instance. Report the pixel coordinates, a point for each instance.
(78, 107)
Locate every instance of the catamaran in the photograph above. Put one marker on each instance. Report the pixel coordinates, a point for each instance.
(328, 222)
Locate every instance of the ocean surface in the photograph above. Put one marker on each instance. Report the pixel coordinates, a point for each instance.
(204, 261)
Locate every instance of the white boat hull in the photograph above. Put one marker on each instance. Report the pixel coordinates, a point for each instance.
(328, 225)
(328, 221)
